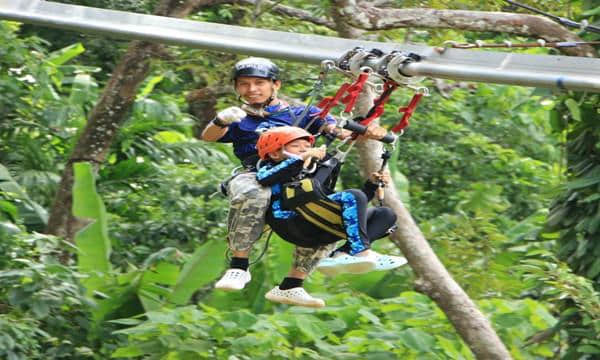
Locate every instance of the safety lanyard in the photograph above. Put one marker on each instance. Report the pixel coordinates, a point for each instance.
(408, 111)
(378, 106)
(352, 90)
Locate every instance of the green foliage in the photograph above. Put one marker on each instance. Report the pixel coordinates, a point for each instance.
(574, 212)
(20, 338)
(161, 279)
(44, 100)
(45, 313)
(436, 145)
(16, 207)
(408, 326)
(574, 219)
(480, 164)
(575, 298)
(92, 242)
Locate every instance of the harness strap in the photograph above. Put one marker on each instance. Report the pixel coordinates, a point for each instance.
(314, 93)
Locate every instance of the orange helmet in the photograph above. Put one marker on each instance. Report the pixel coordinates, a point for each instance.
(275, 138)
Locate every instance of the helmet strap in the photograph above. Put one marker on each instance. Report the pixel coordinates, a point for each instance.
(258, 109)
(290, 155)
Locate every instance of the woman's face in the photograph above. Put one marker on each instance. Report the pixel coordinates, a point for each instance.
(256, 90)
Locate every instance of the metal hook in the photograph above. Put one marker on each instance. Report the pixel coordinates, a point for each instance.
(366, 69)
(327, 65)
(345, 116)
(422, 90)
(311, 170)
(341, 154)
(446, 45)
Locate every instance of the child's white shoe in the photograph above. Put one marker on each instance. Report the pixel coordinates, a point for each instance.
(294, 296)
(344, 263)
(389, 262)
(233, 279)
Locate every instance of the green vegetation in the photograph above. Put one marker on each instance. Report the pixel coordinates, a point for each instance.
(502, 180)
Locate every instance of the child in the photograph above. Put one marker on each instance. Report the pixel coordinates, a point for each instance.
(323, 217)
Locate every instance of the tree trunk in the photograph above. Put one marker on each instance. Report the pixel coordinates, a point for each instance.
(108, 115)
(432, 278)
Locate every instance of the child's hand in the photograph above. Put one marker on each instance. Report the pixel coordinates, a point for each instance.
(317, 153)
(384, 177)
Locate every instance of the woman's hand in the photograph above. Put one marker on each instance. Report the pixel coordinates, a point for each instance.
(339, 133)
(375, 132)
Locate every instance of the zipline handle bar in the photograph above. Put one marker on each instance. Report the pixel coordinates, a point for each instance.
(556, 72)
(353, 126)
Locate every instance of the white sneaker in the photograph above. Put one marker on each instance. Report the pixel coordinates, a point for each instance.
(294, 296)
(388, 262)
(345, 263)
(233, 279)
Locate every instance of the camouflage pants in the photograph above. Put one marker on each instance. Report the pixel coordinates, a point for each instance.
(305, 259)
(249, 202)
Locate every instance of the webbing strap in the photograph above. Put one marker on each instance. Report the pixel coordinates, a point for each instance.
(314, 93)
(353, 91)
(329, 102)
(378, 105)
(408, 111)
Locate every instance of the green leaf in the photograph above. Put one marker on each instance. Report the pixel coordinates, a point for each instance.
(127, 352)
(152, 82)
(81, 90)
(8, 228)
(203, 267)
(162, 273)
(592, 178)
(556, 121)
(594, 270)
(40, 308)
(30, 211)
(573, 109)
(170, 137)
(65, 54)
(591, 12)
(417, 340)
(370, 316)
(449, 347)
(9, 209)
(93, 244)
(588, 349)
(129, 321)
(312, 327)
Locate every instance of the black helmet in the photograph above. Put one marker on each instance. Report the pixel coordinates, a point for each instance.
(256, 67)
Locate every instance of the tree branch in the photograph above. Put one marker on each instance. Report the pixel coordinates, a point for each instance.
(292, 12)
(365, 16)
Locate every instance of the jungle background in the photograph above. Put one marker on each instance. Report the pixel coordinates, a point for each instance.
(503, 181)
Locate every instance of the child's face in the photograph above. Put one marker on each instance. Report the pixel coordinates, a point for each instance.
(298, 146)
